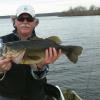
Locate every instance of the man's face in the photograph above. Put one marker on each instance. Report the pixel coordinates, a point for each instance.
(25, 24)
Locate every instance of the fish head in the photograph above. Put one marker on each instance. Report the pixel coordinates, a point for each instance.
(16, 55)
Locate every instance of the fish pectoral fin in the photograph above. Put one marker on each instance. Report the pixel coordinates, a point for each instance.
(34, 57)
(31, 61)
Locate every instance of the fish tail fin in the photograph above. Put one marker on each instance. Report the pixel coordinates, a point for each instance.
(72, 52)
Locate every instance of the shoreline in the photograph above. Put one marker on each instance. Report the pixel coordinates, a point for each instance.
(59, 14)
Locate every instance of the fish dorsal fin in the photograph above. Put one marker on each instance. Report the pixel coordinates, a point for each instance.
(56, 39)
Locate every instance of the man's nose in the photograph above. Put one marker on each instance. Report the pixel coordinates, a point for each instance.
(25, 21)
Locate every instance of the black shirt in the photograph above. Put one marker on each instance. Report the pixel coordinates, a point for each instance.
(18, 81)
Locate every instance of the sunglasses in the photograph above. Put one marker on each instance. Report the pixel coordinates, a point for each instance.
(28, 19)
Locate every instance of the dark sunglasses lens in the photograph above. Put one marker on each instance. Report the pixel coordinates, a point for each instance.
(21, 19)
(29, 19)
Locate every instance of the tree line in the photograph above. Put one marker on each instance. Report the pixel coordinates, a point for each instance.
(82, 11)
(76, 11)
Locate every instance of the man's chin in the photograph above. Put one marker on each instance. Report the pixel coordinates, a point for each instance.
(25, 33)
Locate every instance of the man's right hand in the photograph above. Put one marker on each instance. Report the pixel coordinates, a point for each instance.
(5, 64)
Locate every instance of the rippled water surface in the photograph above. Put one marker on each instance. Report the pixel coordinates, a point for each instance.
(84, 76)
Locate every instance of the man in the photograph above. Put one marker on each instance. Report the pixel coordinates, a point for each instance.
(20, 81)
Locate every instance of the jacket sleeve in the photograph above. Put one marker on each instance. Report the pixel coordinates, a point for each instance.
(39, 74)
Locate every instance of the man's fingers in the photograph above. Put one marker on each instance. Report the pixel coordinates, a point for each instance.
(59, 53)
(46, 54)
(3, 61)
(51, 55)
(54, 52)
(5, 65)
(8, 66)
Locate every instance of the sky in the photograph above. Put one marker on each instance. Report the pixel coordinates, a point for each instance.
(8, 7)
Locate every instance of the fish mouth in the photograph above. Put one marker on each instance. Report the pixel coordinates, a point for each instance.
(18, 57)
(15, 56)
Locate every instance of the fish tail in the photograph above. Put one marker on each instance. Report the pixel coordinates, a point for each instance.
(72, 52)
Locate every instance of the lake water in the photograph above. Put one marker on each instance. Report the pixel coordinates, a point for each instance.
(84, 76)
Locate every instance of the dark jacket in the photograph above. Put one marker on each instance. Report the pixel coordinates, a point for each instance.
(18, 81)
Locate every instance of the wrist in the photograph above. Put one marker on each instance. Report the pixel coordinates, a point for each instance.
(40, 74)
(40, 66)
(37, 67)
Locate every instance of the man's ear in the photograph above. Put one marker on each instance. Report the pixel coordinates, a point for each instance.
(13, 18)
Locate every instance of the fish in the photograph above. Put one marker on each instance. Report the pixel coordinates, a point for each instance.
(33, 51)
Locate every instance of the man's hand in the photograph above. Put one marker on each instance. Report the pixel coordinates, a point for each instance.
(5, 65)
(51, 55)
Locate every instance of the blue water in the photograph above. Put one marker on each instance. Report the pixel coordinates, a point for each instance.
(84, 76)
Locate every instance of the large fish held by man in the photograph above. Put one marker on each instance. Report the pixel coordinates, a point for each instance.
(33, 51)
